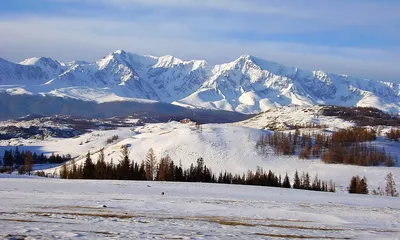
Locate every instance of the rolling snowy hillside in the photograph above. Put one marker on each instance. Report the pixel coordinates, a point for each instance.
(223, 147)
(246, 85)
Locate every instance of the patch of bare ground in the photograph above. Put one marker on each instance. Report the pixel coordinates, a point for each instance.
(88, 214)
(288, 236)
(103, 233)
(76, 208)
(31, 221)
(15, 236)
(302, 227)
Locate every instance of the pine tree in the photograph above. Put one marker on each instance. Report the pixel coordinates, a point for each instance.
(150, 165)
(353, 184)
(280, 181)
(8, 158)
(316, 184)
(28, 162)
(286, 182)
(162, 168)
(73, 172)
(358, 185)
(124, 163)
(171, 176)
(362, 187)
(306, 183)
(332, 186)
(390, 188)
(63, 171)
(296, 181)
(101, 166)
(18, 157)
(88, 168)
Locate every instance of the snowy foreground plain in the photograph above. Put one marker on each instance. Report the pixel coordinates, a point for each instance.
(40, 208)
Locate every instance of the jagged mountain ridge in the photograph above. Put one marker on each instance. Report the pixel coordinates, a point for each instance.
(246, 85)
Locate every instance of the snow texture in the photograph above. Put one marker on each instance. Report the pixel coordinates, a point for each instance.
(35, 208)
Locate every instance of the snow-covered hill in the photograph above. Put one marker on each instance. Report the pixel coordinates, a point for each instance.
(223, 147)
(288, 117)
(246, 85)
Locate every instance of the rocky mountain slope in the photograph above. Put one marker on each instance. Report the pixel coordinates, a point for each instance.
(246, 85)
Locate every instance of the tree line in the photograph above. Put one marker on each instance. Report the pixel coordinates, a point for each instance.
(360, 186)
(362, 116)
(393, 134)
(165, 169)
(346, 146)
(23, 160)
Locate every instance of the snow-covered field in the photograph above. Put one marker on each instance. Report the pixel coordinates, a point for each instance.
(40, 208)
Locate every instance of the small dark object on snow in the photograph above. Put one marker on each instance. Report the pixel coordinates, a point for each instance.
(162, 193)
(148, 186)
(104, 206)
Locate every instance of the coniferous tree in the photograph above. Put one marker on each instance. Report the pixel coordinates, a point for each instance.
(28, 162)
(353, 184)
(306, 183)
(142, 172)
(8, 158)
(286, 182)
(18, 157)
(88, 168)
(296, 181)
(124, 164)
(74, 170)
(101, 166)
(390, 188)
(362, 187)
(171, 176)
(63, 171)
(332, 186)
(150, 165)
(358, 185)
(162, 168)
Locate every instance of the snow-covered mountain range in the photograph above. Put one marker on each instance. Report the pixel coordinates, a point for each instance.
(246, 85)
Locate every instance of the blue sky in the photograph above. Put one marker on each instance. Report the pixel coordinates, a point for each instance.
(357, 37)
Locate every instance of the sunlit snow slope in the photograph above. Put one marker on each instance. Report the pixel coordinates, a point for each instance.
(223, 147)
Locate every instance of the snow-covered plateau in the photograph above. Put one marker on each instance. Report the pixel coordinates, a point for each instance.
(246, 85)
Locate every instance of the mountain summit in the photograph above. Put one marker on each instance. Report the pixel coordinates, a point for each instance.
(247, 84)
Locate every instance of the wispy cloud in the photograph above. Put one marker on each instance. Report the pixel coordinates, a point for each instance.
(355, 37)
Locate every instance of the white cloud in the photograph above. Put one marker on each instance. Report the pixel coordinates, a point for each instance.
(215, 30)
(89, 39)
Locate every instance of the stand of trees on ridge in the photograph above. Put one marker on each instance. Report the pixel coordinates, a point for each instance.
(23, 160)
(362, 116)
(346, 146)
(165, 169)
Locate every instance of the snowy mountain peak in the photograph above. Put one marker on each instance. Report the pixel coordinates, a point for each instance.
(168, 61)
(247, 84)
(120, 51)
(41, 62)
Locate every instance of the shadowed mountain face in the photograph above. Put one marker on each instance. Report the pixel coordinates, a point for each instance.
(246, 85)
(15, 106)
